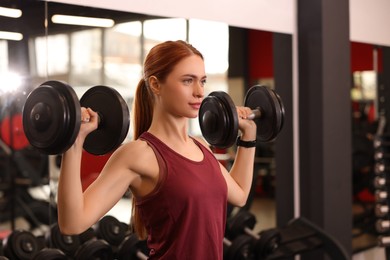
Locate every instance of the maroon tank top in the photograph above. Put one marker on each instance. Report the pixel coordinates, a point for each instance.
(185, 214)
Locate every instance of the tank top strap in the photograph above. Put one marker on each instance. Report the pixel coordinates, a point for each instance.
(150, 140)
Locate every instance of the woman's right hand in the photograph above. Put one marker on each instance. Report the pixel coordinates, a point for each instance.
(89, 122)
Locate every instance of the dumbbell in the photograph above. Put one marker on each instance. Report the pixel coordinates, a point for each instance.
(265, 242)
(381, 195)
(21, 244)
(52, 118)
(111, 230)
(130, 249)
(50, 254)
(218, 118)
(381, 210)
(381, 182)
(381, 167)
(382, 225)
(92, 247)
(381, 141)
(68, 244)
(239, 248)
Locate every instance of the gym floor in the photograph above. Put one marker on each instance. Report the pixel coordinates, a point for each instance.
(263, 207)
(264, 210)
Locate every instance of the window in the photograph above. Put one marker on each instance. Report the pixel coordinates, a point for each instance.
(3, 56)
(86, 58)
(52, 55)
(159, 30)
(122, 56)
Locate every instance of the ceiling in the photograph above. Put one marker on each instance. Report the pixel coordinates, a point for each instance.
(32, 22)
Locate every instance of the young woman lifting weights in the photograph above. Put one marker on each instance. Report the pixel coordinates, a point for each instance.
(180, 190)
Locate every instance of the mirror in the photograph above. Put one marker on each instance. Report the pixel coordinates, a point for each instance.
(85, 56)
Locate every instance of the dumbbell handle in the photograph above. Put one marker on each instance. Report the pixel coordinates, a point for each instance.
(100, 120)
(384, 240)
(256, 113)
(251, 233)
(227, 241)
(141, 255)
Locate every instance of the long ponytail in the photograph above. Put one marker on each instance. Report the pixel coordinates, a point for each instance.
(142, 117)
(142, 109)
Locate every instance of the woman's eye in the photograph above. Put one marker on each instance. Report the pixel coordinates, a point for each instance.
(187, 81)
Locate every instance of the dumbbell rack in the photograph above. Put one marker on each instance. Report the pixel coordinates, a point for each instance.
(381, 145)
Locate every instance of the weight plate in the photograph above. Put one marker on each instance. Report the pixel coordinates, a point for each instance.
(271, 120)
(114, 119)
(111, 230)
(12, 132)
(21, 245)
(51, 117)
(268, 243)
(128, 248)
(218, 120)
(50, 254)
(281, 110)
(241, 248)
(237, 224)
(94, 249)
(67, 244)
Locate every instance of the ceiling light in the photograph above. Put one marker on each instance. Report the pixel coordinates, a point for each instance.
(81, 20)
(10, 12)
(14, 36)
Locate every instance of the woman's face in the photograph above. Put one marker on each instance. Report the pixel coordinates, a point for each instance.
(183, 90)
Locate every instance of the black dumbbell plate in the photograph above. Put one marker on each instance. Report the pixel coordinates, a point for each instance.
(51, 117)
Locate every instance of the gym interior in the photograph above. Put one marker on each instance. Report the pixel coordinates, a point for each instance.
(319, 186)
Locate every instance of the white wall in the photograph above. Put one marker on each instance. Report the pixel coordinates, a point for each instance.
(269, 15)
(369, 20)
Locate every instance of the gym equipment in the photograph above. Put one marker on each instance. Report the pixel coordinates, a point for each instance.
(66, 243)
(218, 117)
(300, 236)
(50, 254)
(240, 248)
(265, 242)
(21, 244)
(111, 230)
(52, 118)
(381, 210)
(92, 247)
(129, 249)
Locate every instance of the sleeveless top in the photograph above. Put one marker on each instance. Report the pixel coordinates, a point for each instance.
(185, 215)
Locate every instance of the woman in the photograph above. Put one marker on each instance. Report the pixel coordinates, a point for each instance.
(180, 190)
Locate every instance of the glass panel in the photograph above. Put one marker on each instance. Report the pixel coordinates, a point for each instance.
(122, 61)
(86, 58)
(212, 40)
(52, 55)
(159, 30)
(3, 56)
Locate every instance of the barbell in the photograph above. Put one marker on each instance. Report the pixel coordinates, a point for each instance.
(218, 118)
(52, 118)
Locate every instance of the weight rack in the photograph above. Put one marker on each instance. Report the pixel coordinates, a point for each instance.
(381, 145)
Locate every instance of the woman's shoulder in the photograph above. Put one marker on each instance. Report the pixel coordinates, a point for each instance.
(134, 149)
(202, 141)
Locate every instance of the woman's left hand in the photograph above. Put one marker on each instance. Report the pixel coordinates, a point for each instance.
(247, 126)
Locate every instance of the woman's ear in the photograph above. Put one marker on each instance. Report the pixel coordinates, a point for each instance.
(154, 85)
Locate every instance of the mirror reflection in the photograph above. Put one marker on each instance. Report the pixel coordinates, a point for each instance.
(38, 43)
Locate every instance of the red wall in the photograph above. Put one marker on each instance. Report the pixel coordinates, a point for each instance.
(362, 57)
(260, 58)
